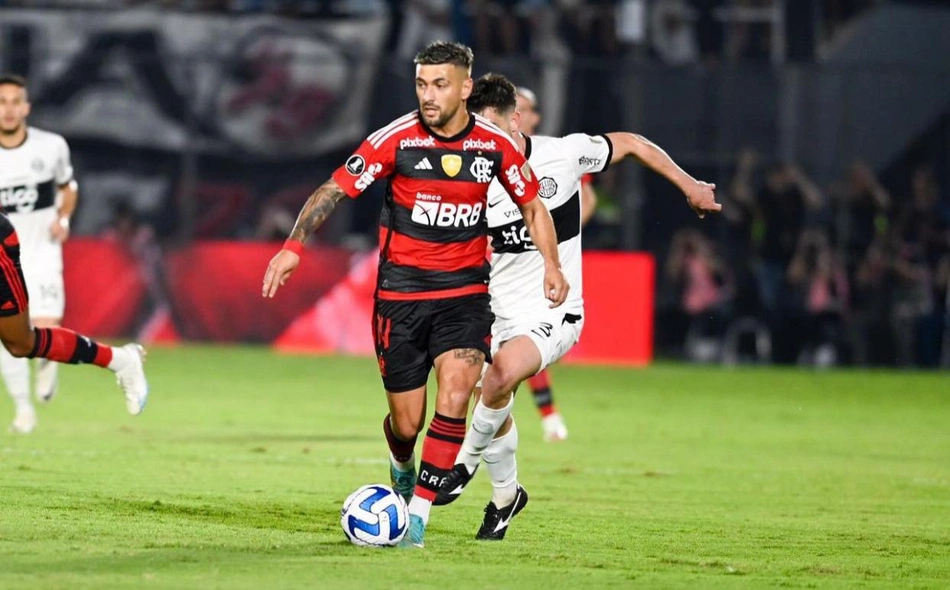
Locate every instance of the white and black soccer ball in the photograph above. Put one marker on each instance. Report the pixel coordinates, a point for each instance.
(374, 516)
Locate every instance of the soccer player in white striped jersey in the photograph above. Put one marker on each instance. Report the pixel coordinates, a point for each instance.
(38, 194)
(528, 334)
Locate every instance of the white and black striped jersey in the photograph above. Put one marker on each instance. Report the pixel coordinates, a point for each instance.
(517, 268)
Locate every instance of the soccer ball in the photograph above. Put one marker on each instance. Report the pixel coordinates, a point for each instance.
(374, 516)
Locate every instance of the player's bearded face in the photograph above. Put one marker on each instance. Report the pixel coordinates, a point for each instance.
(441, 90)
(13, 108)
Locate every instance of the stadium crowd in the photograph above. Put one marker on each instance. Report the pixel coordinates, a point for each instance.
(853, 272)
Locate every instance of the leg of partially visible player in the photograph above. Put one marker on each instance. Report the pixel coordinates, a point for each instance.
(16, 376)
(65, 346)
(22, 340)
(551, 420)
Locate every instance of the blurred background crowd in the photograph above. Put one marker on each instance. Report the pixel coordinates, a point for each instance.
(825, 125)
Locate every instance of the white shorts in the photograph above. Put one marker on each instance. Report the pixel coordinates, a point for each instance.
(43, 272)
(554, 332)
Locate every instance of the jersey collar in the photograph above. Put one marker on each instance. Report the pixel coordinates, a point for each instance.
(457, 137)
(527, 146)
(26, 136)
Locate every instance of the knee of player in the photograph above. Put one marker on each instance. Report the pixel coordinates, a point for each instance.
(500, 380)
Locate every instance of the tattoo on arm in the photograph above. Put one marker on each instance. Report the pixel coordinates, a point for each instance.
(471, 355)
(317, 208)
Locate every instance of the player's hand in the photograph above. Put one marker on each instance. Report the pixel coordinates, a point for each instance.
(555, 286)
(702, 198)
(59, 231)
(279, 269)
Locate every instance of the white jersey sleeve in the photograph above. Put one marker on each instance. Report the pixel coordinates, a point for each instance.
(63, 167)
(589, 153)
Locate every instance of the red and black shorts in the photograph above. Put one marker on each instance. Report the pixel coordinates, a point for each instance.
(410, 335)
(13, 297)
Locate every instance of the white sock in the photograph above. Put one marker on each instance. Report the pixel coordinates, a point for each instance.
(485, 423)
(502, 467)
(120, 359)
(16, 376)
(47, 372)
(420, 507)
(401, 466)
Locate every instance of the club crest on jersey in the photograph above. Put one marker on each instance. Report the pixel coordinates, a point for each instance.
(38, 165)
(452, 164)
(355, 165)
(548, 187)
(482, 169)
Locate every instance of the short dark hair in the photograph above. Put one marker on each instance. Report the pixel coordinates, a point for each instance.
(13, 79)
(446, 52)
(493, 91)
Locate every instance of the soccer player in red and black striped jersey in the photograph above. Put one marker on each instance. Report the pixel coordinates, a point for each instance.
(432, 302)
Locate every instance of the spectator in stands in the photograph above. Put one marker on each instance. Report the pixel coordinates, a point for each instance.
(782, 205)
(737, 217)
(913, 300)
(865, 204)
(705, 285)
(923, 229)
(821, 288)
(869, 329)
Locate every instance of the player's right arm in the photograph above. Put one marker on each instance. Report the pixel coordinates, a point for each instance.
(699, 195)
(374, 159)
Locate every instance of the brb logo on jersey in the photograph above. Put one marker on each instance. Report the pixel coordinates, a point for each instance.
(515, 179)
(368, 177)
(482, 169)
(430, 210)
(19, 199)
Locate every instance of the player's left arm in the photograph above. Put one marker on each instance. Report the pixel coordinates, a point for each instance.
(700, 195)
(68, 193)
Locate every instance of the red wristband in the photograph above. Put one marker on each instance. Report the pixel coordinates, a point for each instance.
(294, 246)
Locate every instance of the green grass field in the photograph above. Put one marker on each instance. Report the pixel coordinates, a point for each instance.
(673, 477)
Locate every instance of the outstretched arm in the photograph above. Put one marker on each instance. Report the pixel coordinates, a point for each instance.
(314, 212)
(699, 195)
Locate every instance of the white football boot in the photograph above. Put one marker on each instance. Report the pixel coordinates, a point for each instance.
(131, 378)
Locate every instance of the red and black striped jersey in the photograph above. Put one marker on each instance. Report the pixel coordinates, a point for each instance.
(433, 233)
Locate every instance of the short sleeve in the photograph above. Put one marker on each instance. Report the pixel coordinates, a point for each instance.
(368, 163)
(589, 153)
(63, 171)
(516, 175)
